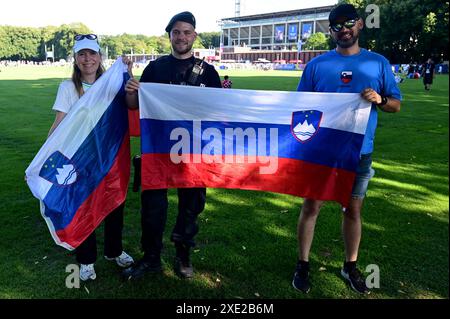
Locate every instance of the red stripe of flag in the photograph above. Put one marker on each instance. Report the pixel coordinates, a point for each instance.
(294, 177)
(109, 194)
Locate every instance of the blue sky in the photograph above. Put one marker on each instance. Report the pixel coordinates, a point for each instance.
(136, 16)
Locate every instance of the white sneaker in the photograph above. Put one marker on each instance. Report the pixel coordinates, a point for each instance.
(87, 272)
(124, 260)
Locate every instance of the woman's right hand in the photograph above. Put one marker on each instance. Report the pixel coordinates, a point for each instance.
(127, 61)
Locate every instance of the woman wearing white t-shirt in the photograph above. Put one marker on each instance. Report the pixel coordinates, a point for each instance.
(87, 69)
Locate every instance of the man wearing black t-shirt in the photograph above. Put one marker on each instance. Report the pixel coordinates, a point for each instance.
(179, 68)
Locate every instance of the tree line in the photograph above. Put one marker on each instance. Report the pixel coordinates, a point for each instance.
(408, 30)
(26, 43)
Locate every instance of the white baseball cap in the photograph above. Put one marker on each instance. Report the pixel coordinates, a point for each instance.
(86, 43)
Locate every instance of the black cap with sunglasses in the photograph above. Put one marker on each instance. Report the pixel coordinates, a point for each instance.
(342, 13)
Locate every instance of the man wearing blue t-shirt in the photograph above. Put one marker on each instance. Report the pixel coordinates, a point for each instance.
(347, 69)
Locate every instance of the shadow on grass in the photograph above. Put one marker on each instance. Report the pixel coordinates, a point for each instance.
(247, 245)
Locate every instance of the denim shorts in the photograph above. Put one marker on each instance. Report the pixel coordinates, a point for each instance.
(363, 175)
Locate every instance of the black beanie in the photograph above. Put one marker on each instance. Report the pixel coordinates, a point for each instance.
(185, 16)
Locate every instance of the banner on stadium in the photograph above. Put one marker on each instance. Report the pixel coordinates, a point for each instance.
(307, 28)
(81, 173)
(298, 143)
(279, 33)
(293, 31)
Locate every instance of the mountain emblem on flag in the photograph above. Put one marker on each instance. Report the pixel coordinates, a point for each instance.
(305, 124)
(58, 170)
(346, 76)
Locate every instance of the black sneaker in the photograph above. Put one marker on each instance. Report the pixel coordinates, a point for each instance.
(301, 278)
(153, 265)
(183, 266)
(356, 280)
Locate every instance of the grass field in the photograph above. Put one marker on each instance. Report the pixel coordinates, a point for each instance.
(247, 241)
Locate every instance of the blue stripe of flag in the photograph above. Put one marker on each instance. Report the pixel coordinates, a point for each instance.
(330, 147)
(93, 160)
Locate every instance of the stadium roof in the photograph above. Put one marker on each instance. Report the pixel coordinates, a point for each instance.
(280, 14)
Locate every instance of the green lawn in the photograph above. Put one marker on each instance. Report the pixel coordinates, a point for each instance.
(247, 241)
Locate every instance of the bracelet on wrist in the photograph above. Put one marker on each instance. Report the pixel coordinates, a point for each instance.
(384, 101)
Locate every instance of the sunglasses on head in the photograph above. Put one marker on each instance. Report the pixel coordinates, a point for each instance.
(79, 37)
(336, 27)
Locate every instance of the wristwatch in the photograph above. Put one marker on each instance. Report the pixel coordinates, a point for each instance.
(384, 101)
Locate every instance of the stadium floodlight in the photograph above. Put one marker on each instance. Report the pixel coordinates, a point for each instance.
(237, 8)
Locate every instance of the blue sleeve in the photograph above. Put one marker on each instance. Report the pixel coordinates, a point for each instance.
(390, 87)
(306, 81)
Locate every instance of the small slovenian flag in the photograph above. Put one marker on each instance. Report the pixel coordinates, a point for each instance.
(81, 173)
(346, 76)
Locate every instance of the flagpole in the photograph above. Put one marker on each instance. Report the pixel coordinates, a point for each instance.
(299, 49)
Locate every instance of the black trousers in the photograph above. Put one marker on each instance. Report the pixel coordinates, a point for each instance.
(86, 253)
(191, 202)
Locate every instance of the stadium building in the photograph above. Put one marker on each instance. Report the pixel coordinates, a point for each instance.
(272, 36)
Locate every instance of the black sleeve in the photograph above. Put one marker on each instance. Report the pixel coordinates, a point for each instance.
(212, 78)
(147, 74)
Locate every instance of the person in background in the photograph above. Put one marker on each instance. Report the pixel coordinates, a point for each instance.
(428, 74)
(227, 83)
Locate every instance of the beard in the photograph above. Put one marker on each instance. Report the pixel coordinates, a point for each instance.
(346, 43)
(187, 49)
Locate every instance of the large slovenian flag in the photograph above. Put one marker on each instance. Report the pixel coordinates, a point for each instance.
(298, 143)
(81, 173)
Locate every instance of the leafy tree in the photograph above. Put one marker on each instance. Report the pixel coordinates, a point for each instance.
(410, 30)
(163, 45)
(198, 44)
(64, 39)
(5, 43)
(127, 43)
(317, 41)
(47, 36)
(210, 39)
(17, 43)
